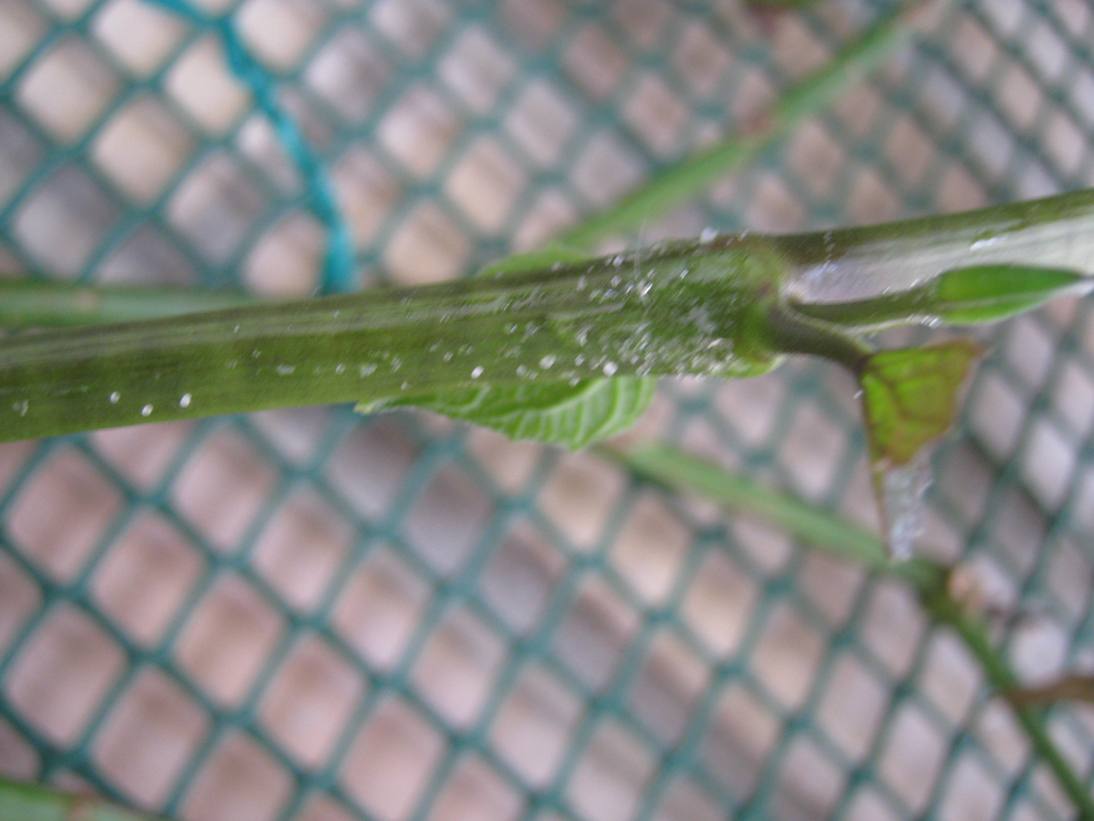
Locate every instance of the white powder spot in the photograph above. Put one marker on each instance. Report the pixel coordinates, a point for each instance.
(147, 410)
(185, 400)
(114, 398)
(476, 372)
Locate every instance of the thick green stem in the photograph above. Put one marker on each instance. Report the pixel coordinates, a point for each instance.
(681, 472)
(686, 309)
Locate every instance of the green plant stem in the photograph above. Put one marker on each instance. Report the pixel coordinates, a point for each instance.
(1001, 677)
(680, 472)
(683, 180)
(32, 802)
(688, 309)
(792, 332)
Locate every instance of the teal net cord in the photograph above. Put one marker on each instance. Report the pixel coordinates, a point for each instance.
(314, 612)
(338, 269)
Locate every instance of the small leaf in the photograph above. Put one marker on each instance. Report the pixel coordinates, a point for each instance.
(910, 398)
(559, 413)
(987, 293)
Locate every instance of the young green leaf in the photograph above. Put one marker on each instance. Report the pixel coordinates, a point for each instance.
(987, 293)
(910, 399)
(559, 413)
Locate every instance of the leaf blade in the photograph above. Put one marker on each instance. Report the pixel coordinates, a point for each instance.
(559, 413)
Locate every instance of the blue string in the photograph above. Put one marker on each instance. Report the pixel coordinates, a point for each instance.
(338, 267)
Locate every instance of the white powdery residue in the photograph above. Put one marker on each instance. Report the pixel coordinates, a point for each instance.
(21, 407)
(477, 371)
(114, 397)
(185, 400)
(146, 411)
(286, 370)
(368, 369)
(904, 488)
(610, 368)
(708, 235)
(547, 361)
(983, 243)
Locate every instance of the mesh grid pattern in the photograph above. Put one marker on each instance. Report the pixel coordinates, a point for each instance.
(314, 614)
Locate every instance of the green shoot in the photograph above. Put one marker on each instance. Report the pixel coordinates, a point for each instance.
(682, 473)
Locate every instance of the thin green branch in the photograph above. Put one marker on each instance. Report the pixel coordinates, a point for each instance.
(39, 303)
(680, 472)
(681, 181)
(974, 634)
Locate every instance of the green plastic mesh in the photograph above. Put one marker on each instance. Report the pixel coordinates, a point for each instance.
(313, 614)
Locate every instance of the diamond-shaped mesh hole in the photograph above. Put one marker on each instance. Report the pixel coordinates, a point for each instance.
(70, 203)
(141, 148)
(62, 674)
(534, 724)
(66, 89)
(143, 581)
(21, 598)
(60, 545)
(216, 207)
(740, 736)
(391, 760)
(222, 488)
(227, 640)
(457, 667)
(201, 83)
(239, 779)
(595, 633)
(380, 608)
(310, 700)
(149, 736)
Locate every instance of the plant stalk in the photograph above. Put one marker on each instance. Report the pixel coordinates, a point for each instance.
(680, 472)
(688, 309)
(683, 180)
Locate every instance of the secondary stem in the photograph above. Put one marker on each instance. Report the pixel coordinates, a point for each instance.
(681, 181)
(974, 634)
(681, 472)
(38, 303)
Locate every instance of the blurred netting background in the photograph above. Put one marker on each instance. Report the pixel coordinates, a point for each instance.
(313, 614)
